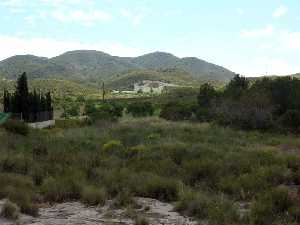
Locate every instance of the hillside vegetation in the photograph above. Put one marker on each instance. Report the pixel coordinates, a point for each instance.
(91, 66)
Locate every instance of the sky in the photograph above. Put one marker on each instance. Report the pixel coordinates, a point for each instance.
(257, 37)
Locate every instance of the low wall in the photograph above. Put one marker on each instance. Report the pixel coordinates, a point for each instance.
(41, 125)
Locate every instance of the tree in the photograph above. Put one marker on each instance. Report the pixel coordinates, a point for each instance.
(6, 101)
(237, 87)
(140, 109)
(22, 96)
(31, 106)
(49, 102)
(206, 95)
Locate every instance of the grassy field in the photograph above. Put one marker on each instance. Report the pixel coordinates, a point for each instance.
(213, 174)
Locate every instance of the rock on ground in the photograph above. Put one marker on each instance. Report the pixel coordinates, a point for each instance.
(75, 213)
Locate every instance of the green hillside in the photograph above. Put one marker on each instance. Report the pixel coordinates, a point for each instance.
(93, 66)
(125, 81)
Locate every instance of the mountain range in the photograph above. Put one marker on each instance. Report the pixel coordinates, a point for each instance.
(94, 66)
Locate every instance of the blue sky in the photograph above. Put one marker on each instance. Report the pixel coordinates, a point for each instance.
(255, 37)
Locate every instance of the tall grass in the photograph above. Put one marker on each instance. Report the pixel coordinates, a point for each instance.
(206, 169)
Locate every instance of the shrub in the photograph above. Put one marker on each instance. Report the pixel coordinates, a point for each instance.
(94, 196)
(223, 212)
(203, 115)
(290, 120)
(140, 109)
(16, 164)
(16, 127)
(270, 206)
(218, 210)
(25, 201)
(175, 111)
(141, 221)
(161, 188)
(71, 110)
(243, 115)
(123, 199)
(106, 111)
(247, 185)
(10, 211)
(113, 147)
(294, 212)
(193, 204)
(62, 188)
(206, 95)
(202, 170)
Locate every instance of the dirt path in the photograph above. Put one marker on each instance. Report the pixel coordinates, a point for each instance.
(75, 213)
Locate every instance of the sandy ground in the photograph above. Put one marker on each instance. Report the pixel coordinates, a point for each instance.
(75, 213)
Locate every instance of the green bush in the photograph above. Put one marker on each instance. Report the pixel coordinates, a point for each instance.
(93, 196)
(10, 211)
(62, 188)
(25, 201)
(141, 221)
(290, 120)
(16, 127)
(140, 109)
(161, 188)
(247, 185)
(16, 164)
(294, 212)
(111, 145)
(203, 170)
(270, 206)
(10, 183)
(71, 110)
(203, 115)
(106, 111)
(223, 212)
(194, 204)
(176, 111)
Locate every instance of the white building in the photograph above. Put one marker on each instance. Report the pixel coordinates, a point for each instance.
(148, 86)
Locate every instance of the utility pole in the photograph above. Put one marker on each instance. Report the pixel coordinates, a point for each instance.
(103, 92)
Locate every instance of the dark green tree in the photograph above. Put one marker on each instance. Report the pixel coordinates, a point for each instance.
(237, 87)
(6, 101)
(206, 95)
(22, 96)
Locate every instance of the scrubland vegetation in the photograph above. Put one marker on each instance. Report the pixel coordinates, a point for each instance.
(213, 173)
(214, 167)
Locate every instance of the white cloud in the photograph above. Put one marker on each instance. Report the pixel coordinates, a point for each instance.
(258, 33)
(280, 11)
(83, 17)
(240, 11)
(47, 47)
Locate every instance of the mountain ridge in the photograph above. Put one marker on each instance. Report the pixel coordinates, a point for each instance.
(92, 65)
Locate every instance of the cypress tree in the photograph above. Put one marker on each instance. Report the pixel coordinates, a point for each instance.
(22, 96)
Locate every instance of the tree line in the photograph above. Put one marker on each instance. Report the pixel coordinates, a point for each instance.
(262, 103)
(28, 106)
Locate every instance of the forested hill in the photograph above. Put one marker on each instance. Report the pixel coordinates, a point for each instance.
(87, 65)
